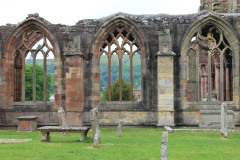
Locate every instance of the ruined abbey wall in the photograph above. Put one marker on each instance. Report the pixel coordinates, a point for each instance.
(166, 85)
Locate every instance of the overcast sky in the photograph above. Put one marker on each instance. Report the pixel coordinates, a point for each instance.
(71, 11)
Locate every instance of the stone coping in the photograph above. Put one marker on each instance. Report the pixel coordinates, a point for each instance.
(32, 103)
(14, 140)
(215, 111)
(169, 129)
(210, 103)
(27, 117)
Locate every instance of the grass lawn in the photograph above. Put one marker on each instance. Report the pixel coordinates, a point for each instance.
(134, 144)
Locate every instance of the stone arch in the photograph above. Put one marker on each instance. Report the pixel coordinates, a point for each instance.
(31, 23)
(231, 37)
(108, 26)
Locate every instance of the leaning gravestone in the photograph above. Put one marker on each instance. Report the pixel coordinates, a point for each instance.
(96, 139)
(224, 120)
(119, 128)
(94, 119)
(61, 119)
(164, 145)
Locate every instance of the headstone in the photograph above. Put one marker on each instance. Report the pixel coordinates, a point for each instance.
(96, 139)
(119, 128)
(94, 119)
(224, 120)
(61, 119)
(164, 145)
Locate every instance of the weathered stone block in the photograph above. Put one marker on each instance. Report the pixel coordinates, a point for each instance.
(212, 119)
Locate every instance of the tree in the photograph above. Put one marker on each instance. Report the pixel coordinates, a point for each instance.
(39, 83)
(126, 91)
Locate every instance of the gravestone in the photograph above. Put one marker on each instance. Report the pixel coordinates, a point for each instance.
(164, 145)
(94, 119)
(96, 139)
(224, 120)
(62, 119)
(119, 128)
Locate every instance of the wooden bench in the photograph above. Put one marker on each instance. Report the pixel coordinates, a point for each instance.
(47, 129)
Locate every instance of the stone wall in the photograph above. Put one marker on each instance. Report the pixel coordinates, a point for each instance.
(77, 69)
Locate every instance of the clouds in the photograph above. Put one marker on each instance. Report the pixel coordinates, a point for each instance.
(71, 11)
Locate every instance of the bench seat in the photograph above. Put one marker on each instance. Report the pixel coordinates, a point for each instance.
(47, 129)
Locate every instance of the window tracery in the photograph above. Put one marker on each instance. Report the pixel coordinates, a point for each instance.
(210, 66)
(33, 43)
(119, 42)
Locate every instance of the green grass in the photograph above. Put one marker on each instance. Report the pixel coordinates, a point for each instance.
(134, 144)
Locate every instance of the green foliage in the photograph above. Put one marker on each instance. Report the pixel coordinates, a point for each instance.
(126, 91)
(39, 83)
(115, 70)
(50, 69)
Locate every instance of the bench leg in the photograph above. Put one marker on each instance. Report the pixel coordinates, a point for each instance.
(48, 136)
(83, 137)
(44, 138)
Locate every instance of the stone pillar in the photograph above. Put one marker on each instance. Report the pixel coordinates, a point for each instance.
(164, 145)
(94, 120)
(217, 79)
(206, 83)
(165, 89)
(202, 86)
(165, 72)
(227, 85)
(224, 120)
(74, 82)
(119, 128)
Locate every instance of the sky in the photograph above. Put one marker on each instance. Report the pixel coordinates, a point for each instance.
(69, 12)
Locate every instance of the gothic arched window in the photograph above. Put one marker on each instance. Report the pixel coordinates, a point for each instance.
(119, 48)
(33, 48)
(209, 66)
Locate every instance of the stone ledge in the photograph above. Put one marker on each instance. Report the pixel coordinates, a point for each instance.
(215, 111)
(169, 129)
(163, 53)
(27, 117)
(14, 140)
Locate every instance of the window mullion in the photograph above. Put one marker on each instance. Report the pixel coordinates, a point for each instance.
(221, 78)
(45, 79)
(131, 75)
(209, 75)
(34, 75)
(23, 77)
(120, 74)
(109, 77)
(197, 76)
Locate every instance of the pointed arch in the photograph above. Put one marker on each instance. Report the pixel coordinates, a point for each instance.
(210, 19)
(108, 27)
(34, 28)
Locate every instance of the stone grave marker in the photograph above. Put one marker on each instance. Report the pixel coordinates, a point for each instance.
(164, 145)
(62, 119)
(224, 120)
(97, 138)
(119, 128)
(94, 119)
